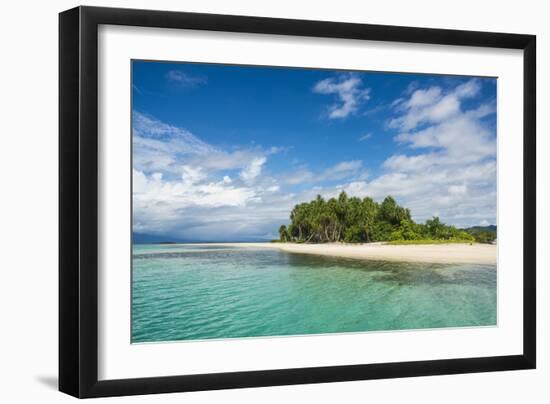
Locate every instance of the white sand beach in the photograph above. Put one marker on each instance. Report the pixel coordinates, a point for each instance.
(432, 253)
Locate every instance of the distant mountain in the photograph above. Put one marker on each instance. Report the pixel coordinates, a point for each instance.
(483, 234)
(478, 229)
(141, 238)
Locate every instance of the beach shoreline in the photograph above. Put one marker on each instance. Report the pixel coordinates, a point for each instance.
(428, 253)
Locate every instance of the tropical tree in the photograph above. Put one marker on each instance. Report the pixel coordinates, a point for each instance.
(355, 220)
(283, 233)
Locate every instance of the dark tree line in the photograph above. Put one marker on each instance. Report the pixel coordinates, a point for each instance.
(483, 234)
(356, 220)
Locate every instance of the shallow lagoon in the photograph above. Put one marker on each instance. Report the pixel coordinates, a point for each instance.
(190, 292)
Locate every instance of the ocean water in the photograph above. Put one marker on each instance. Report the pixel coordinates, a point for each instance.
(189, 292)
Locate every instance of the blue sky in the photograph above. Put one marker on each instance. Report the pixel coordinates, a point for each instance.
(224, 152)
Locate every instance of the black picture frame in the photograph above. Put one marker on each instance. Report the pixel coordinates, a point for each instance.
(78, 201)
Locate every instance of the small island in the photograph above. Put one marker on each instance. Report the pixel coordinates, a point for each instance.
(355, 220)
(351, 227)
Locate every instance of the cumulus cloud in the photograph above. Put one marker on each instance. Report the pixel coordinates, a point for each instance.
(448, 167)
(158, 146)
(179, 181)
(348, 91)
(193, 189)
(162, 206)
(254, 168)
(461, 197)
(200, 208)
(432, 105)
(162, 147)
(191, 175)
(401, 162)
(444, 164)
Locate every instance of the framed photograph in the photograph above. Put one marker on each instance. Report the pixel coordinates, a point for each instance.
(251, 201)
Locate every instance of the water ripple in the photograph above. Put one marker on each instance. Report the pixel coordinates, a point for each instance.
(182, 293)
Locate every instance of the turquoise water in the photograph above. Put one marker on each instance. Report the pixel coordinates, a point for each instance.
(187, 292)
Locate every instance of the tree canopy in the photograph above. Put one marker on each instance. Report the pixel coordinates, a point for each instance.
(356, 220)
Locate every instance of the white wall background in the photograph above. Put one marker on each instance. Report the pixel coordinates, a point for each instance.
(28, 199)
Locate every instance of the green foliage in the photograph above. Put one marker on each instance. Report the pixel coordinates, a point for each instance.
(354, 234)
(483, 234)
(428, 241)
(485, 237)
(392, 213)
(356, 220)
(283, 233)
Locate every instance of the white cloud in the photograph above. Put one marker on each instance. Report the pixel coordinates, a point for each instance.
(432, 105)
(160, 204)
(458, 189)
(469, 89)
(461, 139)
(192, 175)
(185, 79)
(184, 186)
(364, 137)
(193, 189)
(445, 166)
(400, 162)
(422, 98)
(165, 148)
(199, 208)
(347, 89)
(298, 177)
(461, 196)
(253, 169)
(154, 134)
(451, 171)
(341, 170)
(160, 147)
(229, 160)
(273, 188)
